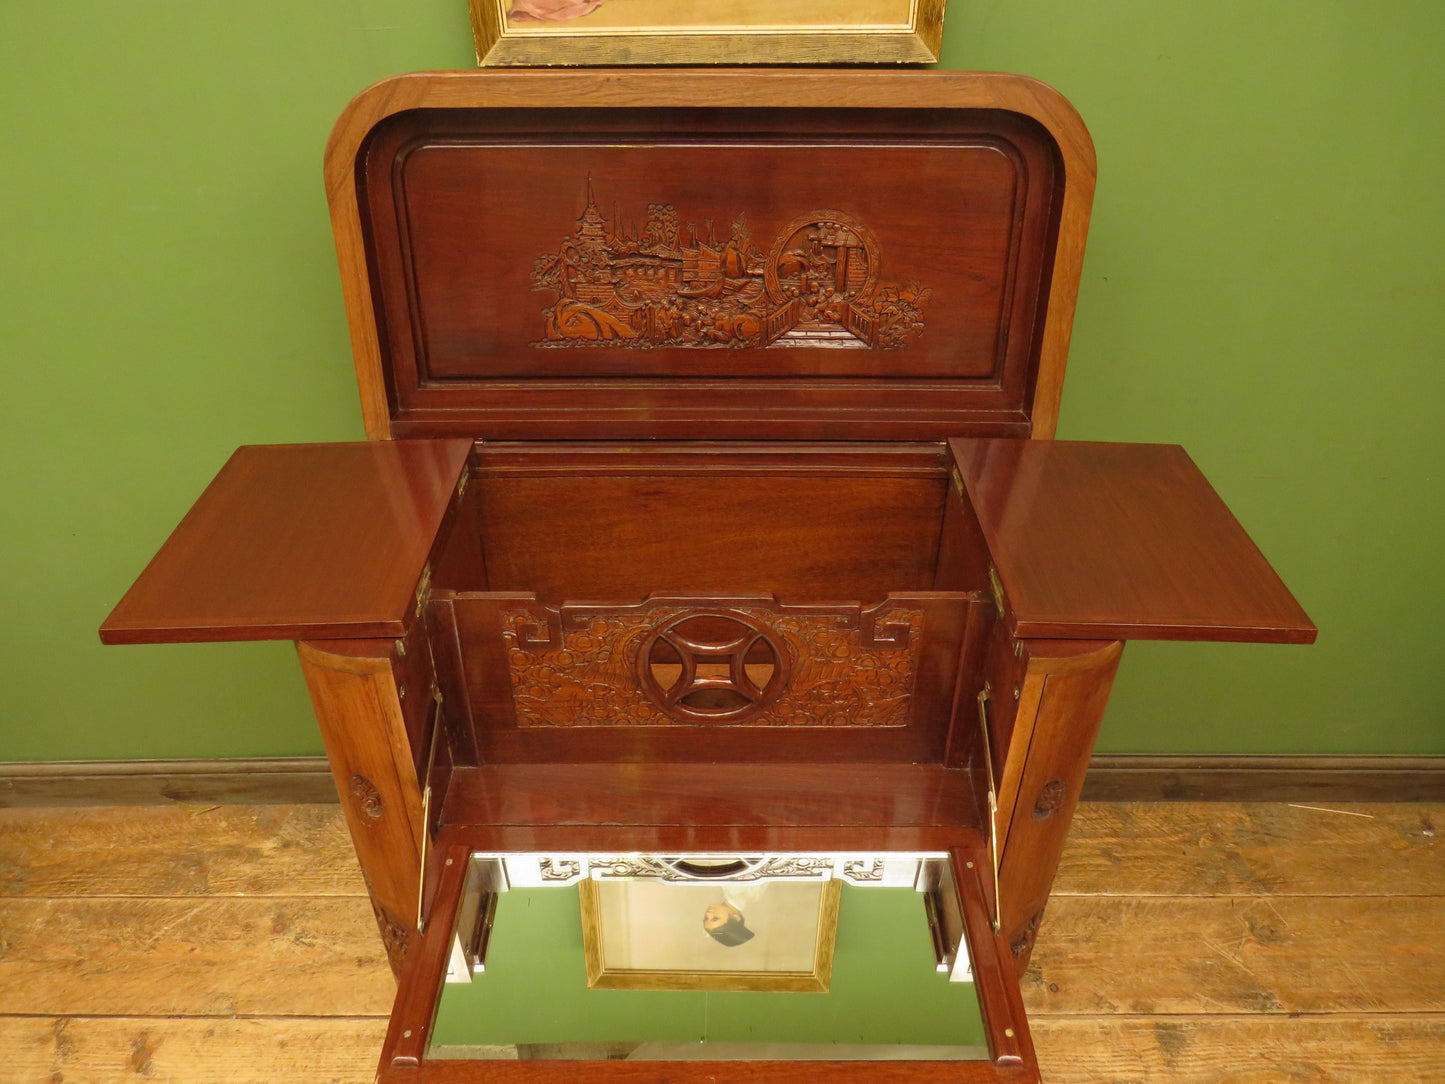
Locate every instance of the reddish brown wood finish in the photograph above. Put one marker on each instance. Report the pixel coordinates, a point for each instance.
(1064, 690)
(489, 162)
(999, 996)
(404, 1059)
(1126, 541)
(354, 691)
(447, 191)
(806, 538)
(918, 735)
(865, 795)
(297, 541)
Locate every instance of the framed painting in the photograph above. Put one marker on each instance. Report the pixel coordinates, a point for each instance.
(662, 935)
(546, 33)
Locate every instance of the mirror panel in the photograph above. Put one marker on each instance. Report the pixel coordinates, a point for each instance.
(728, 957)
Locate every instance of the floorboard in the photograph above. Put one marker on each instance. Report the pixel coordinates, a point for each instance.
(1206, 943)
(1255, 849)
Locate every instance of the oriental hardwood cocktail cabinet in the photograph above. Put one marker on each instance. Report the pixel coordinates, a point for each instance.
(710, 527)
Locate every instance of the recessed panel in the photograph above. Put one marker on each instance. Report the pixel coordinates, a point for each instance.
(719, 260)
(769, 271)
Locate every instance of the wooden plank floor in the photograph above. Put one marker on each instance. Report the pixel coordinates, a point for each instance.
(1228, 944)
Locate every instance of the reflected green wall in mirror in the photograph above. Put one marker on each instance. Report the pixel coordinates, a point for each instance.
(885, 989)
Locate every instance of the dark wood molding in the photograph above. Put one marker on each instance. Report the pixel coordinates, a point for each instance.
(249, 781)
(1130, 777)
(1265, 778)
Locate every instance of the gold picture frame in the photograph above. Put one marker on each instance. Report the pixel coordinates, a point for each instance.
(551, 33)
(791, 950)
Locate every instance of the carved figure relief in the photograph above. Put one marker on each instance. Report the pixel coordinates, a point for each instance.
(675, 284)
(666, 662)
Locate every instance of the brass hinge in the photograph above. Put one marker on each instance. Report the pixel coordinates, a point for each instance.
(423, 588)
(996, 588)
(431, 756)
(462, 482)
(957, 482)
(994, 857)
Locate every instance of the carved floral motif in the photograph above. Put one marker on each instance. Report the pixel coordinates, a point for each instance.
(395, 937)
(1052, 795)
(368, 799)
(580, 666)
(670, 283)
(1022, 943)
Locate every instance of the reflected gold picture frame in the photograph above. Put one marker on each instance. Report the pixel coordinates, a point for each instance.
(733, 32)
(603, 975)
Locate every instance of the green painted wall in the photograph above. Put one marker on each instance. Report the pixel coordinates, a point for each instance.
(1264, 286)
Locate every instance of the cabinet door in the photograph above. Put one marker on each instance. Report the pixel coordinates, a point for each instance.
(907, 981)
(1095, 541)
(296, 542)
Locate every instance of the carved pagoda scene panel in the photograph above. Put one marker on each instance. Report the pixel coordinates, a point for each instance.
(761, 248)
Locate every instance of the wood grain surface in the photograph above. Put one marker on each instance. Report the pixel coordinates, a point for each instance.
(297, 541)
(1190, 943)
(214, 956)
(300, 1050)
(1121, 541)
(600, 118)
(1272, 954)
(1254, 849)
(1222, 1049)
(295, 850)
(825, 795)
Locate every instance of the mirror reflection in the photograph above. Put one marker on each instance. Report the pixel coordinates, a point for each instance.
(709, 956)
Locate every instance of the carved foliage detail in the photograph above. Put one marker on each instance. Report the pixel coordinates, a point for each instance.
(670, 283)
(1022, 943)
(1051, 797)
(367, 798)
(837, 666)
(394, 936)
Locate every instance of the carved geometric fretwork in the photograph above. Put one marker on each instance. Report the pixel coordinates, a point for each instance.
(864, 869)
(558, 869)
(671, 662)
(659, 868)
(900, 869)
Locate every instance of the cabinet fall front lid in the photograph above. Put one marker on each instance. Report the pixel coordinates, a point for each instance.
(725, 254)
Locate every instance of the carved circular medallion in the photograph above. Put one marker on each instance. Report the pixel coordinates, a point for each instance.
(712, 667)
(822, 257)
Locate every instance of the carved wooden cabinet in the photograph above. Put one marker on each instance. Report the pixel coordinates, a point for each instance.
(709, 510)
